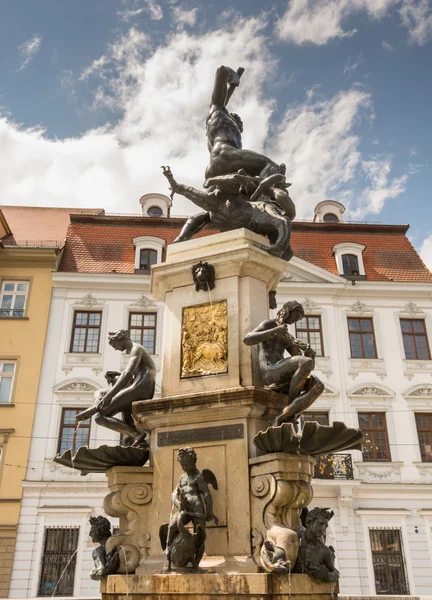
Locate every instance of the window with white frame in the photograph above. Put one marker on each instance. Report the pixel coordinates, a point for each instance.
(349, 259)
(7, 375)
(148, 252)
(13, 298)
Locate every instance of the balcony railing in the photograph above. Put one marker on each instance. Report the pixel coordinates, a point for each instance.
(334, 466)
(11, 313)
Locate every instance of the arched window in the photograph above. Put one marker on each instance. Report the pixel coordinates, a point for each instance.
(148, 258)
(155, 211)
(350, 264)
(330, 218)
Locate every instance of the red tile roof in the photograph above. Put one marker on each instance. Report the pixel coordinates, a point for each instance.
(103, 244)
(31, 225)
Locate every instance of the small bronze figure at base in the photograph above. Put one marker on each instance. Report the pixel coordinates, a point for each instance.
(193, 500)
(314, 557)
(105, 563)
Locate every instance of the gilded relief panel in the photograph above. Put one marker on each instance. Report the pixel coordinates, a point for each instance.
(205, 340)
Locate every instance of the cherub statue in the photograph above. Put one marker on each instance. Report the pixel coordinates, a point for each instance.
(136, 382)
(314, 557)
(193, 500)
(105, 563)
(291, 375)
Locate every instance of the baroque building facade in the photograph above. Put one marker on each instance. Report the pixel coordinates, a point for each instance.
(368, 314)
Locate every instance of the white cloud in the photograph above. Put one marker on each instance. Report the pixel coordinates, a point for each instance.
(29, 49)
(416, 15)
(426, 251)
(386, 46)
(163, 96)
(317, 22)
(184, 17)
(133, 9)
(381, 186)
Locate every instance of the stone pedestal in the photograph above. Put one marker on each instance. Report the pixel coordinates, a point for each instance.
(244, 276)
(211, 586)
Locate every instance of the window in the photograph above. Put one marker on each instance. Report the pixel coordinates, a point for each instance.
(374, 428)
(58, 561)
(330, 218)
(142, 327)
(362, 339)
(67, 430)
(147, 259)
(321, 418)
(388, 561)
(424, 432)
(155, 211)
(7, 373)
(309, 331)
(350, 264)
(86, 331)
(13, 298)
(415, 339)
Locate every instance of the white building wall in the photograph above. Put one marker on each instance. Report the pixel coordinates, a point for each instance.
(386, 494)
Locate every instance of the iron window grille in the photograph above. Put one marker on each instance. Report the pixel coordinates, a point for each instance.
(86, 331)
(415, 340)
(376, 445)
(362, 338)
(57, 575)
(388, 562)
(13, 299)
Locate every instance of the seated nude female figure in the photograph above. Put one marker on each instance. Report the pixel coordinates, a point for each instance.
(136, 382)
(292, 374)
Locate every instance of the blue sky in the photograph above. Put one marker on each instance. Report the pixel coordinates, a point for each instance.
(96, 94)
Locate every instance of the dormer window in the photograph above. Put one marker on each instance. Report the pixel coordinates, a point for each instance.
(148, 252)
(155, 211)
(330, 218)
(350, 264)
(349, 260)
(148, 258)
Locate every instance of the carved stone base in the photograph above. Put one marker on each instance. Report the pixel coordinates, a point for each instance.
(280, 489)
(213, 586)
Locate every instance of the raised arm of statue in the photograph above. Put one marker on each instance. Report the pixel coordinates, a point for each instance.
(224, 76)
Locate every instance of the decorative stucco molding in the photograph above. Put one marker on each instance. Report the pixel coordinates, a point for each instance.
(89, 301)
(371, 389)
(76, 385)
(419, 391)
(310, 306)
(411, 309)
(360, 308)
(143, 302)
(377, 472)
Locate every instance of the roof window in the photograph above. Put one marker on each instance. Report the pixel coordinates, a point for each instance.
(349, 260)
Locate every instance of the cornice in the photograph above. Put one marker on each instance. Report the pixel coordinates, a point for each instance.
(22, 256)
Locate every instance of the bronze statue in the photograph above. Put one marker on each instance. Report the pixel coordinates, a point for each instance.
(229, 208)
(194, 503)
(235, 173)
(203, 275)
(105, 563)
(291, 375)
(314, 557)
(136, 382)
(224, 131)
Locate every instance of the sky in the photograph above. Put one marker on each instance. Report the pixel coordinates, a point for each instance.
(96, 95)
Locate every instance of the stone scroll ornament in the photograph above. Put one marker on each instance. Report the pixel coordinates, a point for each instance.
(243, 188)
(136, 382)
(194, 504)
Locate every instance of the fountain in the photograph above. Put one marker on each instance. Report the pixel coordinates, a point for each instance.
(227, 418)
